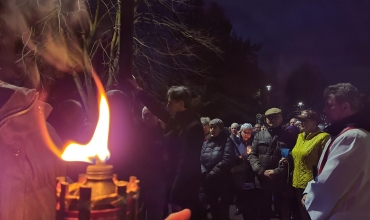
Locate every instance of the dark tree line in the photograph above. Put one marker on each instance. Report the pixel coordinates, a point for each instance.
(175, 42)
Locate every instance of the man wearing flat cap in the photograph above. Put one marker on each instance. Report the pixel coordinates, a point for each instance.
(264, 159)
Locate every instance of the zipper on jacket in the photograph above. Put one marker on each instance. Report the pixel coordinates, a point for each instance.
(23, 111)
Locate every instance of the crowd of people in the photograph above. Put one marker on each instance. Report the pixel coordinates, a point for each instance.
(294, 170)
(269, 169)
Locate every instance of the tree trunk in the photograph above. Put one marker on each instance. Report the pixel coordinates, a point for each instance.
(126, 40)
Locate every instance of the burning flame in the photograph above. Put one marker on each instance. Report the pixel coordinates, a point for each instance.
(98, 145)
(97, 148)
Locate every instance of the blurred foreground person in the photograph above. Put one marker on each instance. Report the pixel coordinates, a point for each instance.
(133, 142)
(181, 215)
(28, 167)
(217, 158)
(342, 188)
(306, 154)
(68, 120)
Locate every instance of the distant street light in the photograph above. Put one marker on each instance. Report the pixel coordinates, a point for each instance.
(268, 88)
(300, 104)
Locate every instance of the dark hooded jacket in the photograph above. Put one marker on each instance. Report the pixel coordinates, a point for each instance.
(217, 158)
(183, 142)
(265, 155)
(28, 167)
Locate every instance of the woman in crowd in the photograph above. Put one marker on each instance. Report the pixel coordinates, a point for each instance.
(247, 194)
(217, 158)
(306, 154)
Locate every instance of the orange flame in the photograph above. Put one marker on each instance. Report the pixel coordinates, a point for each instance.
(97, 148)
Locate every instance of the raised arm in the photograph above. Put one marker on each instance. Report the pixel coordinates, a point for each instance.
(154, 106)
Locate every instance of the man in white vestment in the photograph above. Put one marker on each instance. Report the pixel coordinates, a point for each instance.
(342, 188)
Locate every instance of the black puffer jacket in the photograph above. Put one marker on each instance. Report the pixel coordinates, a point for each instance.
(217, 158)
(266, 154)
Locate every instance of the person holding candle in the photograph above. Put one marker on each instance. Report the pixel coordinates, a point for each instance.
(247, 194)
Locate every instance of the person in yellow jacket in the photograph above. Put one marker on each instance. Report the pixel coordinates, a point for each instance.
(306, 154)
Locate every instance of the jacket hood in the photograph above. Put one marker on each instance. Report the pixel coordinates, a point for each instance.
(357, 120)
(20, 99)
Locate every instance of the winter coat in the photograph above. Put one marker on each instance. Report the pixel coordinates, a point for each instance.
(28, 167)
(306, 153)
(183, 141)
(249, 174)
(217, 158)
(265, 155)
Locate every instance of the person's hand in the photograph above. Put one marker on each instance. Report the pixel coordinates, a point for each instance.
(182, 215)
(303, 200)
(283, 161)
(135, 84)
(269, 174)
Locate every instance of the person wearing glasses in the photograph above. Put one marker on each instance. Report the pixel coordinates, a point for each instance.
(264, 159)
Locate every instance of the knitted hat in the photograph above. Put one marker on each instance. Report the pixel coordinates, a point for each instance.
(218, 122)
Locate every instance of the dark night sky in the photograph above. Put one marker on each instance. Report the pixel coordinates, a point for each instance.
(331, 35)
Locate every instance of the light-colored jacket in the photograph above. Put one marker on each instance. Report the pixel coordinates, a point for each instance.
(342, 190)
(28, 168)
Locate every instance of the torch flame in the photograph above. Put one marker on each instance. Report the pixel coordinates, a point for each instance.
(98, 145)
(97, 148)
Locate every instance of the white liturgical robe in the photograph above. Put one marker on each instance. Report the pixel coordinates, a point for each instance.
(342, 189)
